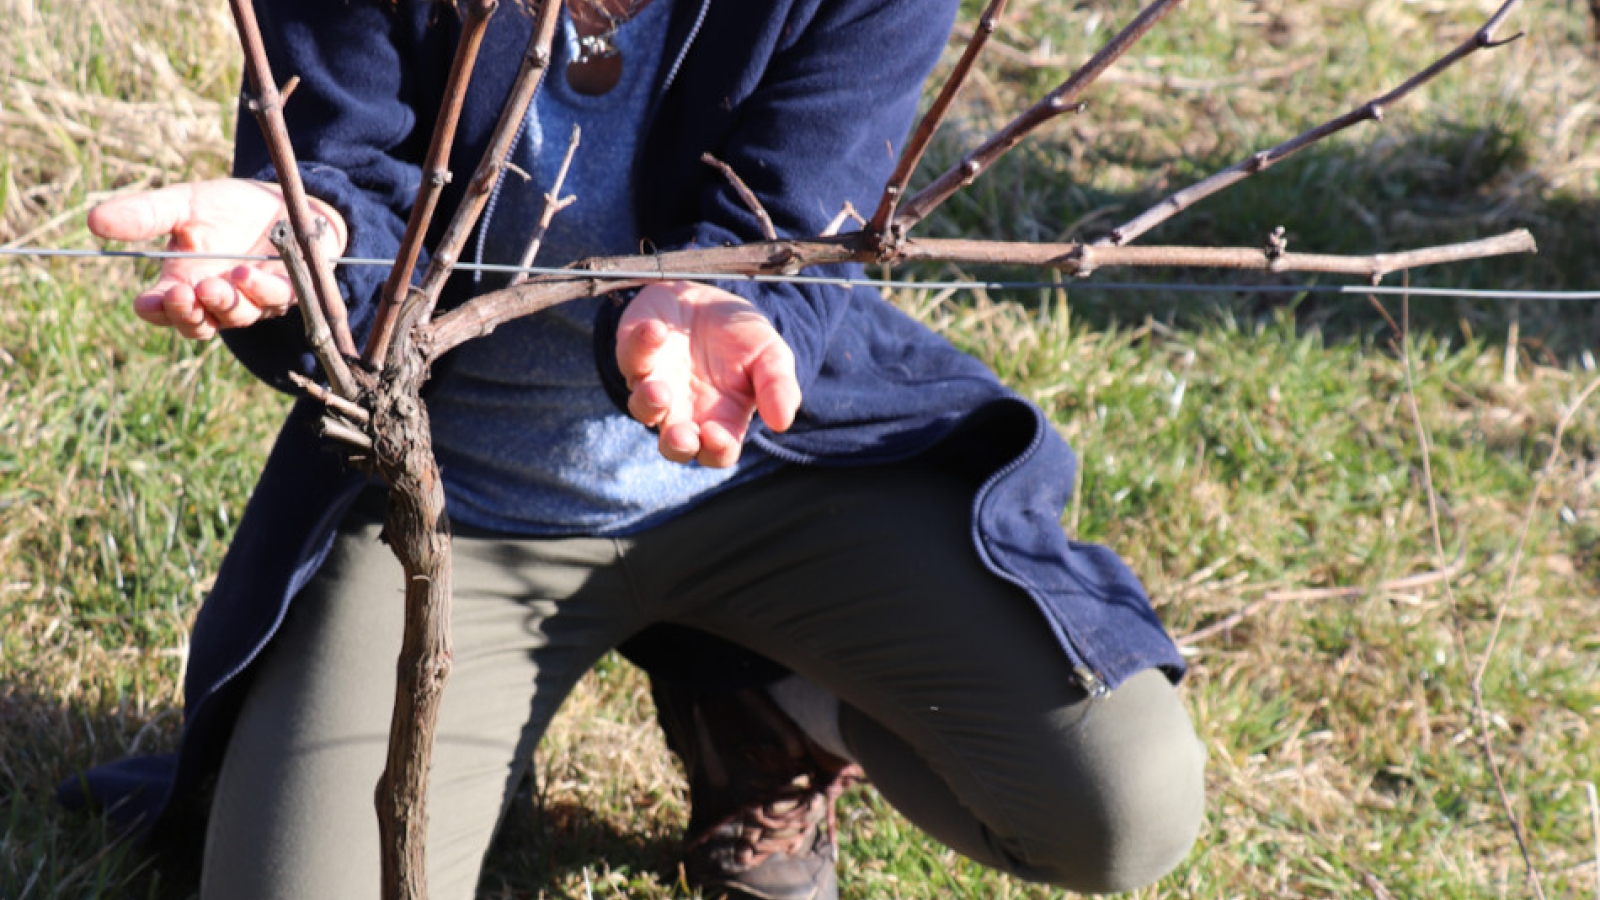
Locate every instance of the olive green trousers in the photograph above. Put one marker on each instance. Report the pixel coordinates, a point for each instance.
(955, 698)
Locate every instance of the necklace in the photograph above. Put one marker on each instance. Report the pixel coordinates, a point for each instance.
(602, 44)
(596, 46)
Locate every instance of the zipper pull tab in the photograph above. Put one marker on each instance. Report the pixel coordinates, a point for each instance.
(1092, 685)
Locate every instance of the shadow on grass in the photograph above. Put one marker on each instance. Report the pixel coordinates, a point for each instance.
(48, 851)
(548, 848)
(1400, 190)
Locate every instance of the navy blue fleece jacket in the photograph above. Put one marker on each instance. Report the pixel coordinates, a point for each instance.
(808, 100)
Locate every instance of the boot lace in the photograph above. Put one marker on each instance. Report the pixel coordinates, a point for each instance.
(787, 822)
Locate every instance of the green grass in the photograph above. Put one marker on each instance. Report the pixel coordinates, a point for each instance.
(1251, 455)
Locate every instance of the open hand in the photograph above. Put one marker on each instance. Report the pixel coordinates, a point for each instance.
(700, 362)
(228, 215)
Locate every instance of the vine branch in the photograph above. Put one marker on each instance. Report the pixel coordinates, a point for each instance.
(485, 312)
(1372, 110)
(418, 531)
(319, 334)
(929, 126)
(435, 175)
(419, 302)
(323, 295)
(553, 203)
(1062, 99)
(747, 196)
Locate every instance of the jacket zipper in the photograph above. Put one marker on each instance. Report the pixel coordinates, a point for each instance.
(1092, 682)
(677, 63)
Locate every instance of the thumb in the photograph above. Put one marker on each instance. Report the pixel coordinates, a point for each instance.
(777, 390)
(639, 346)
(143, 215)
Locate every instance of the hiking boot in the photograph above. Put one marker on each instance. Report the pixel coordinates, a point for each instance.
(761, 796)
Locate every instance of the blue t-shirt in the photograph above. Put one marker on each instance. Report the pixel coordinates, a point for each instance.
(527, 440)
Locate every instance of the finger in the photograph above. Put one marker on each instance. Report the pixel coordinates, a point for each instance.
(649, 403)
(723, 427)
(225, 304)
(639, 346)
(150, 304)
(680, 441)
(268, 290)
(679, 433)
(142, 216)
(184, 313)
(204, 331)
(719, 447)
(151, 307)
(772, 375)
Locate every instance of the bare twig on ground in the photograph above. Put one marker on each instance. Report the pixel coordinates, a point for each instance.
(1594, 828)
(1492, 642)
(1539, 483)
(1379, 892)
(1371, 110)
(1277, 597)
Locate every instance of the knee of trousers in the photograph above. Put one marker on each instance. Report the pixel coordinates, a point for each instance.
(1131, 806)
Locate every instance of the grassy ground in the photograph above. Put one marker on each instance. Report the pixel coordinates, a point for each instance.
(1257, 458)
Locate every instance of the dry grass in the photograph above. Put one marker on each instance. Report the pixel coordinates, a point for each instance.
(103, 97)
(1254, 459)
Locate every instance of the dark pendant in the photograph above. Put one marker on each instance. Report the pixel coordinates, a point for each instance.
(595, 75)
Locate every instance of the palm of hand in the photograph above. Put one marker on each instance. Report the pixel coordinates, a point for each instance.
(199, 296)
(232, 216)
(700, 363)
